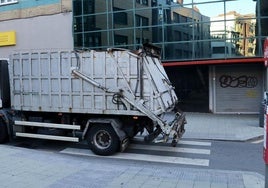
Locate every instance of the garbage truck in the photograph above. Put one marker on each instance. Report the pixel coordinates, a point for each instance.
(104, 98)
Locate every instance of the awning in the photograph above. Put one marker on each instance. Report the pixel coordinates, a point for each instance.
(214, 61)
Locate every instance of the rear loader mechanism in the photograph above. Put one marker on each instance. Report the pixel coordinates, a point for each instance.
(168, 121)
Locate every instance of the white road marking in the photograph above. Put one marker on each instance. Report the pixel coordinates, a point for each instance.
(169, 149)
(184, 142)
(257, 141)
(197, 143)
(140, 157)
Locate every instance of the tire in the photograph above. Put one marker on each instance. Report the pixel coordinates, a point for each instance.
(3, 131)
(103, 140)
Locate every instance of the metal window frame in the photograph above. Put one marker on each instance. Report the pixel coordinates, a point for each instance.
(7, 2)
(194, 42)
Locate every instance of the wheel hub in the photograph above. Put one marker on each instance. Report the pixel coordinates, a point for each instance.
(102, 139)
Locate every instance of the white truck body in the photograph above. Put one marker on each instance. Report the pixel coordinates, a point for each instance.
(47, 81)
(104, 97)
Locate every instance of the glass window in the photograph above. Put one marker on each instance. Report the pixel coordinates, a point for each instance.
(120, 17)
(184, 29)
(77, 24)
(78, 40)
(143, 2)
(142, 21)
(218, 50)
(81, 7)
(88, 6)
(120, 40)
(77, 7)
(92, 39)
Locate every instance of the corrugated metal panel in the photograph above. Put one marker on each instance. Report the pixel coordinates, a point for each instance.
(43, 81)
(238, 88)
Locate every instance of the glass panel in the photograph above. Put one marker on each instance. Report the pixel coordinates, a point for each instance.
(143, 36)
(94, 39)
(122, 18)
(88, 6)
(123, 38)
(96, 22)
(78, 40)
(77, 7)
(180, 50)
(201, 1)
(203, 49)
(262, 26)
(210, 9)
(89, 23)
(143, 2)
(242, 7)
(144, 18)
(157, 34)
(185, 29)
(81, 7)
(120, 40)
(77, 24)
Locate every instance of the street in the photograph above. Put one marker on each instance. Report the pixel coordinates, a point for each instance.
(193, 153)
(244, 156)
(210, 154)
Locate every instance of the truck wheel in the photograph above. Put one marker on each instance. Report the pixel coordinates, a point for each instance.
(3, 131)
(103, 140)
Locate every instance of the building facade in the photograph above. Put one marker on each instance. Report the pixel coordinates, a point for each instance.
(36, 24)
(215, 62)
(233, 38)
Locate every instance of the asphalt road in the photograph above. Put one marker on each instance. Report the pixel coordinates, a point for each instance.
(241, 156)
(208, 154)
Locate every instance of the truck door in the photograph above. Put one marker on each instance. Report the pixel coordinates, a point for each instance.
(4, 84)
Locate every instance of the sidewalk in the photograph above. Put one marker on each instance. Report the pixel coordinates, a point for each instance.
(21, 167)
(222, 127)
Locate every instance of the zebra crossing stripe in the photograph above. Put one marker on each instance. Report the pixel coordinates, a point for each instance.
(257, 141)
(197, 143)
(169, 149)
(184, 142)
(140, 157)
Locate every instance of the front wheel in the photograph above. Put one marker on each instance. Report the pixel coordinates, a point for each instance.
(103, 140)
(3, 131)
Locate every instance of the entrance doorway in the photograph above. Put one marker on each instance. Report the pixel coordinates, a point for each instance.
(191, 86)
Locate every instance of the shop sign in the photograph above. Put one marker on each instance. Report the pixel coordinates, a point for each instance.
(7, 38)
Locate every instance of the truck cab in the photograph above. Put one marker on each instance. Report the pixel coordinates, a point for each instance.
(4, 84)
(4, 98)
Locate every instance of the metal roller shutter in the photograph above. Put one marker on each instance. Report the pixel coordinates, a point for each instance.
(238, 88)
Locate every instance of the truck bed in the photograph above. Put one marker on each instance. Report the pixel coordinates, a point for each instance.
(51, 81)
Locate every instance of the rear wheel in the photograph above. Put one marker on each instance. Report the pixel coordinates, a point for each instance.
(103, 140)
(3, 131)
